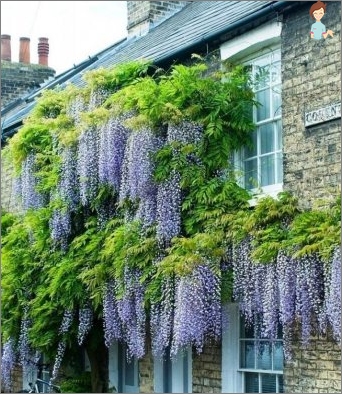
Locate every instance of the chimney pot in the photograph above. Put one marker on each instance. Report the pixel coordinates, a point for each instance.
(24, 50)
(43, 51)
(6, 47)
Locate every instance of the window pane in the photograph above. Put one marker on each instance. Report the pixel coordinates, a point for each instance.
(279, 135)
(279, 158)
(252, 382)
(266, 138)
(278, 356)
(252, 150)
(262, 76)
(251, 174)
(276, 101)
(264, 359)
(268, 383)
(280, 383)
(275, 71)
(267, 170)
(129, 373)
(263, 110)
(247, 354)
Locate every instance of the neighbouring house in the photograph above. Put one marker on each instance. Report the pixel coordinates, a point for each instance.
(296, 148)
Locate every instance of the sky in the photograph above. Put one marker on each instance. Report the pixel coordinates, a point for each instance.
(75, 29)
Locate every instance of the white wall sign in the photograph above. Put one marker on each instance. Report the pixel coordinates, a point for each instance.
(323, 114)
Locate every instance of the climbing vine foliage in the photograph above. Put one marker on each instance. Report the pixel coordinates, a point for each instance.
(131, 214)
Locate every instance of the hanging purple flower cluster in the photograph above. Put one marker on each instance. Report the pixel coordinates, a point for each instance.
(66, 321)
(185, 133)
(69, 186)
(113, 140)
(333, 298)
(249, 280)
(197, 309)
(285, 291)
(161, 320)
(85, 323)
(58, 360)
(97, 98)
(74, 109)
(137, 174)
(30, 197)
(87, 165)
(8, 360)
(111, 320)
(309, 294)
(64, 328)
(169, 200)
(132, 313)
(25, 352)
(60, 227)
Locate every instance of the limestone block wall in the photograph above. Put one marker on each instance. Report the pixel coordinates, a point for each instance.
(146, 375)
(206, 370)
(315, 368)
(311, 79)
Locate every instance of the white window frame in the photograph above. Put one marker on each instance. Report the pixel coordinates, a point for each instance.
(233, 376)
(275, 117)
(253, 45)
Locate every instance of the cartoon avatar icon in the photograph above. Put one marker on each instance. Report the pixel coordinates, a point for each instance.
(318, 31)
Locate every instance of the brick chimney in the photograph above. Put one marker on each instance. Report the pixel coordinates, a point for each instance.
(6, 47)
(142, 16)
(43, 51)
(24, 50)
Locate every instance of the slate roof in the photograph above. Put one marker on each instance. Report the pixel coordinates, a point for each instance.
(197, 23)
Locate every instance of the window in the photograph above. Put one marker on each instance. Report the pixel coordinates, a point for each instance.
(259, 365)
(261, 361)
(261, 164)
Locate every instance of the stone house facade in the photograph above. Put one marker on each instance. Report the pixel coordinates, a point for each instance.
(301, 115)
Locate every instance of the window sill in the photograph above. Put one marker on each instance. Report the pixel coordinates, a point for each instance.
(268, 191)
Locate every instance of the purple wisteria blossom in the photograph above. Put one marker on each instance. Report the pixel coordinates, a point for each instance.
(246, 286)
(309, 294)
(113, 140)
(137, 174)
(60, 227)
(333, 298)
(66, 321)
(85, 323)
(197, 310)
(111, 320)
(63, 329)
(75, 108)
(8, 360)
(161, 321)
(185, 133)
(26, 354)
(169, 200)
(30, 197)
(68, 187)
(132, 313)
(87, 164)
(97, 98)
(270, 301)
(58, 360)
